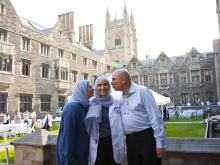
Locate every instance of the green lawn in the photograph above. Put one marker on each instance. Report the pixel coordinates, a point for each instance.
(195, 130)
(8, 140)
(55, 128)
(3, 156)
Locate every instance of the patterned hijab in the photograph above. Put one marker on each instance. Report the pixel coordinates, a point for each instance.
(79, 93)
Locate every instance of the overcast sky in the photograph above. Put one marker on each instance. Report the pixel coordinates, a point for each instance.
(171, 26)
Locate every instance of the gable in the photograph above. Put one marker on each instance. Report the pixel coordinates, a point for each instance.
(194, 56)
(163, 60)
(59, 35)
(134, 64)
(9, 16)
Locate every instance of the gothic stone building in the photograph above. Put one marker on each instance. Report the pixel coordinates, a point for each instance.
(193, 77)
(39, 66)
(186, 78)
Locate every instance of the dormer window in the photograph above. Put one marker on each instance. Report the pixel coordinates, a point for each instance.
(193, 59)
(163, 78)
(133, 65)
(162, 61)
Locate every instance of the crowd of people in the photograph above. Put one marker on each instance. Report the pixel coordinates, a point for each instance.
(104, 129)
(30, 119)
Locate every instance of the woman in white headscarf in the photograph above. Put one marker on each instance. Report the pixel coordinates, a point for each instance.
(73, 140)
(103, 123)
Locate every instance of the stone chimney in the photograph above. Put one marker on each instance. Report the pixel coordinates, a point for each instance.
(86, 36)
(67, 20)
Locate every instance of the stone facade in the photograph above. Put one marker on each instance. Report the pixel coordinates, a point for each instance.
(39, 66)
(186, 78)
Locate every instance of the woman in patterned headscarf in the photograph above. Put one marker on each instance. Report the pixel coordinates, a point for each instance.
(73, 140)
(103, 123)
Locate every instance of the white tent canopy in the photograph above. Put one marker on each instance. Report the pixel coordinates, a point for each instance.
(160, 99)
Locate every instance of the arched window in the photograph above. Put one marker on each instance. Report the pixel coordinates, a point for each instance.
(117, 41)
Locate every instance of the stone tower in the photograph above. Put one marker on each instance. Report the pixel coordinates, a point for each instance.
(120, 37)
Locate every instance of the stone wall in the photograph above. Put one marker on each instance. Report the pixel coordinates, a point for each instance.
(192, 151)
(32, 155)
(38, 148)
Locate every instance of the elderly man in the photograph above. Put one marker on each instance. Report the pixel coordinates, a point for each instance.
(142, 121)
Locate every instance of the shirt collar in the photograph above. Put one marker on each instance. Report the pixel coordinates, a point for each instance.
(133, 88)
